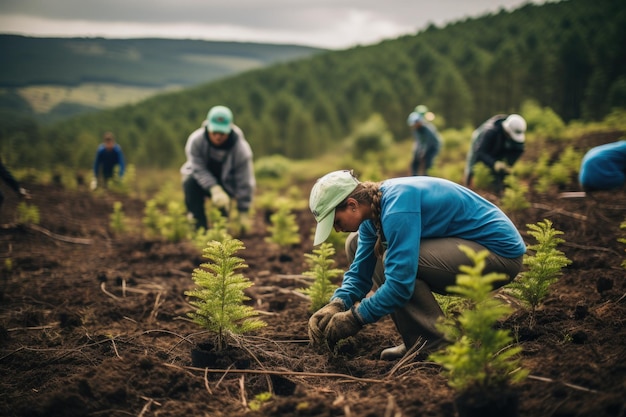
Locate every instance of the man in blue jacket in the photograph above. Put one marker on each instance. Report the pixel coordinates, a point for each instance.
(219, 165)
(108, 155)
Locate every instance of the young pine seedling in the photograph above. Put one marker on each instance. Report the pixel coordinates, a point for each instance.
(174, 225)
(218, 230)
(544, 267)
(514, 196)
(481, 356)
(27, 213)
(219, 295)
(152, 216)
(118, 218)
(284, 230)
(322, 272)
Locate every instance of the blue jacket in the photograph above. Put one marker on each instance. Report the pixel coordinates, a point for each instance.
(412, 209)
(106, 160)
(604, 167)
(426, 136)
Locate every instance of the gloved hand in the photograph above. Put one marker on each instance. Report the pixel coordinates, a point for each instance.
(245, 222)
(341, 326)
(319, 320)
(23, 192)
(219, 197)
(501, 166)
(93, 184)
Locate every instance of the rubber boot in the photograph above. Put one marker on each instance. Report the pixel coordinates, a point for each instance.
(393, 353)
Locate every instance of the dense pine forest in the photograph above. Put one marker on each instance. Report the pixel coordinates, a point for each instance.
(569, 57)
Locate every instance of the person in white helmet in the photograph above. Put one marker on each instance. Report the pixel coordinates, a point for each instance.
(498, 143)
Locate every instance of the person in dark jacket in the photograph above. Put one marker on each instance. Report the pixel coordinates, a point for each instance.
(108, 155)
(219, 165)
(10, 180)
(604, 167)
(498, 143)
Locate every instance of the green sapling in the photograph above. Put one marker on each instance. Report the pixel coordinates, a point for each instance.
(284, 230)
(480, 356)
(322, 288)
(219, 295)
(544, 267)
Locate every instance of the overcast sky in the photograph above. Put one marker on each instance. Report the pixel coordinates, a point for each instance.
(333, 24)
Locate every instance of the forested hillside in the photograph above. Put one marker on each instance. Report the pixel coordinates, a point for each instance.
(569, 56)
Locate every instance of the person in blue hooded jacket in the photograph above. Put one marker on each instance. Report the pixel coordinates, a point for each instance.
(604, 167)
(108, 155)
(404, 241)
(426, 145)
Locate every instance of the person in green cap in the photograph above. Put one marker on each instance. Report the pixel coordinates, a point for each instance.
(404, 242)
(219, 165)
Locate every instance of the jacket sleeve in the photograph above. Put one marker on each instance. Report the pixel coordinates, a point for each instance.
(197, 160)
(245, 181)
(485, 146)
(122, 162)
(357, 281)
(8, 178)
(97, 162)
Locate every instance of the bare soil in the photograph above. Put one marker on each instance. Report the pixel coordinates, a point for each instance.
(96, 325)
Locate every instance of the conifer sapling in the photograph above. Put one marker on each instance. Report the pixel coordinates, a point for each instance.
(322, 288)
(481, 356)
(544, 267)
(219, 295)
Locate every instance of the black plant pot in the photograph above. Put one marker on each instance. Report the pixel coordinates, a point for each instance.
(496, 403)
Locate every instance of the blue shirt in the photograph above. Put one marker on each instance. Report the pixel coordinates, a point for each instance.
(604, 167)
(106, 160)
(412, 209)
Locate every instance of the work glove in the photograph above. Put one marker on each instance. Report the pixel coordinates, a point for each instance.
(219, 197)
(341, 326)
(319, 320)
(93, 184)
(23, 192)
(245, 222)
(501, 166)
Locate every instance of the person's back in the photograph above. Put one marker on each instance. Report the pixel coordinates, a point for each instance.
(604, 167)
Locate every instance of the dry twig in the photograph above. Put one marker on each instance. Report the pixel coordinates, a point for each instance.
(282, 373)
(68, 239)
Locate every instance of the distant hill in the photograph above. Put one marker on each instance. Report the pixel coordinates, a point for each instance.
(134, 62)
(92, 73)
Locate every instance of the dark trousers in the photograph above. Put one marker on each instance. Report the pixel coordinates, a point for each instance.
(194, 201)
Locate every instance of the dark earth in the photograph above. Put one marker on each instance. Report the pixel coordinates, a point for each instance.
(93, 323)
